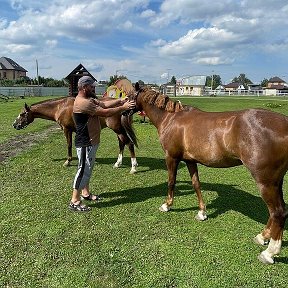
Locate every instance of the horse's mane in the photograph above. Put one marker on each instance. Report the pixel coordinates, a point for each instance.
(161, 101)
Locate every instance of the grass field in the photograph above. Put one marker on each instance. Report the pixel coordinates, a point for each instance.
(125, 241)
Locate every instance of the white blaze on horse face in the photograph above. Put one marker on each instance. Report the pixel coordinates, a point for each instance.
(119, 161)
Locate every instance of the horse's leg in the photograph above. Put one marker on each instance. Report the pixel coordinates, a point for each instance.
(118, 163)
(68, 135)
(273, 197)
(264, 237)
(172, 165)
(134, 163)
(193, 170)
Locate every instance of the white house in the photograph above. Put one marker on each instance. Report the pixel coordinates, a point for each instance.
(191, 85)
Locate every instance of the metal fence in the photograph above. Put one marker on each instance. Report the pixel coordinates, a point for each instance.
(41, 91)
(33, 91)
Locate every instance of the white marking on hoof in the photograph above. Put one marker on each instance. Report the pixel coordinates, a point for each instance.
(164, 208)
(116, 165)
(119, 161)
(201, 216)
(66, 163)
(133, 170)
(266, 258)
(260, 240)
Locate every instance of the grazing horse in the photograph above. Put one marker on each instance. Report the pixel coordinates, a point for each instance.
(255, 138)
(61, 111)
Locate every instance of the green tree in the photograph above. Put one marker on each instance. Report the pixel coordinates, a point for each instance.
(242, 79)
(114, 78)
(264, 82)
(216, 81)
(173, 80)
(141, 83)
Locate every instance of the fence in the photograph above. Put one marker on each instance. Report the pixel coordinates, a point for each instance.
(33, 91)
(41, 91)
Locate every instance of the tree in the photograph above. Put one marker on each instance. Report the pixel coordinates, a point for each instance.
(216, 81)
(114, 78)
(173, 80)
(264, 82)
(141, 83)
(242, 79)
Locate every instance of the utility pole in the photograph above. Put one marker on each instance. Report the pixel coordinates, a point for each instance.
(37, 72)
(212, 78)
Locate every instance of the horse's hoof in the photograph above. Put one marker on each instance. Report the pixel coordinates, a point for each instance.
(265, 258)
(260, 240)
(201, 216)
(116, 165)
(164, 208)
(66, 163)
(132, 171)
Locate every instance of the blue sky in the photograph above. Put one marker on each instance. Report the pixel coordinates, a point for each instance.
(145, 40)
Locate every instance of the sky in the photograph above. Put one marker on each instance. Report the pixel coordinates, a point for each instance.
(147, 40)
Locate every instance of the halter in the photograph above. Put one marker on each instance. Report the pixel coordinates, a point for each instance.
(130, 112)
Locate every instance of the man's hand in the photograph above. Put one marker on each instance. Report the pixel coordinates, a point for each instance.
(130, 104)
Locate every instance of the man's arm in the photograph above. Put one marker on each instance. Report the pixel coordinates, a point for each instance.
(107, 112)
(111, 102)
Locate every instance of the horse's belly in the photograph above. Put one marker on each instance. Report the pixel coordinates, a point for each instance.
(214, 159)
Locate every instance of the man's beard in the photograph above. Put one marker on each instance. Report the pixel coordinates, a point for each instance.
(91, 95)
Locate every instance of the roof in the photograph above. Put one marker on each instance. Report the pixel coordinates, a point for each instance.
(276, 80)
(197, 80)
(79, 71)
(8, 64)
(233, 85)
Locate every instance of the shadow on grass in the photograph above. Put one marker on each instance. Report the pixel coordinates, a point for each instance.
(229, 198)
(146, 163)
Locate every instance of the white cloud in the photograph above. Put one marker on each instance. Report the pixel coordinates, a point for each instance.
(14, 48)
(151, 38)
(148, 13)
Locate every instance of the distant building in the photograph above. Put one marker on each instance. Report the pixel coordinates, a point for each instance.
(234, 86)
(10, 70)
(74, 76)
(191, 85)
(276, 86)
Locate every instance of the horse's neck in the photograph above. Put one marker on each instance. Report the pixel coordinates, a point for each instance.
(44, 111)
(154, 114)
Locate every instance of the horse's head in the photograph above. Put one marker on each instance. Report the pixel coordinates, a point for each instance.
(133, 95)
(24, 118)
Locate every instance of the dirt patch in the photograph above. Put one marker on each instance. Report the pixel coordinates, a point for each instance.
(18, 144)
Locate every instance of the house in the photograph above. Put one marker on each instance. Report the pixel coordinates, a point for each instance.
(276, 86)
(10, 70)
(276, 82)
(234, 86)
(191, 85)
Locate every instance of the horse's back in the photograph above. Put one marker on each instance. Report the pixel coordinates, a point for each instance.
(225, 139)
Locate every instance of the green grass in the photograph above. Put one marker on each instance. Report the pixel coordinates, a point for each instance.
(125, 241)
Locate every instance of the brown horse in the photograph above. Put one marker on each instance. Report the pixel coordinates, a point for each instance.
(255, 138)
(61, 111)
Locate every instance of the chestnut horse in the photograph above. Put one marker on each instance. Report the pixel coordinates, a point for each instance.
(255, 138)
(61, 111)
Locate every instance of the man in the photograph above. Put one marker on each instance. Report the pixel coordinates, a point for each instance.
(86, 112)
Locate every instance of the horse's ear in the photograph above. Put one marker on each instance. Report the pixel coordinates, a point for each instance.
(137, 86)
(27, 108)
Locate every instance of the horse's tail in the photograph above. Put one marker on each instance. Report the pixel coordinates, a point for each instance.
(126, 121)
